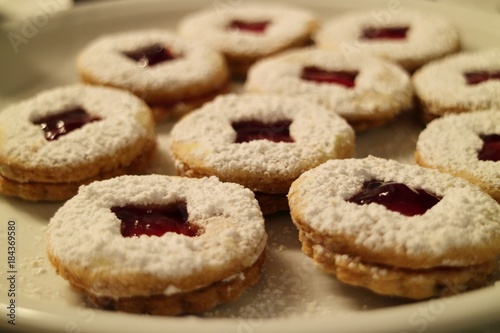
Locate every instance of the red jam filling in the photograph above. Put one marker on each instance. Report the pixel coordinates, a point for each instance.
(151, 55)
(385, 33)
(250, 130)
(252, 27)
(481, 76)
(344, 78)
(491, 148)
(155, 220)
(64, 122)
(396, 197)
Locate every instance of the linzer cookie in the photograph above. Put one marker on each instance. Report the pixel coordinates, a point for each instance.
(172, 75)
(465, 145)
(65, 137)
(408, 38)
(248, 32)
(463, 82)
(396, 229)
(364, 90)
(262, 142)
(159, 245)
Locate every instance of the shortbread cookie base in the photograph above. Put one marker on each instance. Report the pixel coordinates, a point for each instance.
(159, 97)
(271, 203)
(368, 124)
(239, 66)
(277, 184)
(39, 191)
(179, 109)
(183, 303)
(394, 281)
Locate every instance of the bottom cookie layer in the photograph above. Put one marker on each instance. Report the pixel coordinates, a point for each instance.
(176, 110)
(272, 202)
(394, 281)
(184, 303)
(36, 191)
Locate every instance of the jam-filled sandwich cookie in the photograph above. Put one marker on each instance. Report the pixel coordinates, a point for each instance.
(465, 145)
(364, 90)
(159, 244)
(396, 229)
(69, 136)
(172, 75)
(463, 82)
(262, 142)
(408, 38)
(249, 32)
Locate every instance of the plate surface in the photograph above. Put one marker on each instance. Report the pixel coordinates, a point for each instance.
(293, 296)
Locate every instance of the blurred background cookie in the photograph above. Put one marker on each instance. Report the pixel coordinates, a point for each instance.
(248, 32)
(172, 75)
(364, 90)
(408, 38)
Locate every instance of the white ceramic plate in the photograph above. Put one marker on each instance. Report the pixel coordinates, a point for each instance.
(292, 296)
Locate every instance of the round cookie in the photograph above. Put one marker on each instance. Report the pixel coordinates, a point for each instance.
(408, 38)
(465, 145)
(364, 90)
(262, 142)
(463, 82)
(158, 244)
(248, 32)
(396, 229)
(65, 137)
(172, 75)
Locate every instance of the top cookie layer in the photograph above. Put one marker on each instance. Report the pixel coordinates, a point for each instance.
(194, 71)
(462, 229)
(205, 140)
(84, 235)
(25, 155)
(381, 89)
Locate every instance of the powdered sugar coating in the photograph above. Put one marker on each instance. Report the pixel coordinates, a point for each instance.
(318, 135)
(428, 37)
(462, 229)
(452, 143)
(442, 86)
(85, 234)
(287, 24)
(194, 65)
(124, 120)
(381, 88)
